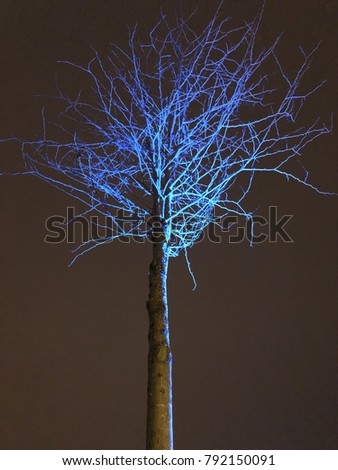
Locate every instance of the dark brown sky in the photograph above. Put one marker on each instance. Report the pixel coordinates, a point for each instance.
(254, 346)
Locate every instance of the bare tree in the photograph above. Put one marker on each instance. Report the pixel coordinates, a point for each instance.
(171, 130)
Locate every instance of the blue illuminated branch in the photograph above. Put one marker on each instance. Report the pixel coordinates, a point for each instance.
(174, 127)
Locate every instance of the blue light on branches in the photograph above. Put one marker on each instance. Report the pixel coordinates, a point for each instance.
(177, 127)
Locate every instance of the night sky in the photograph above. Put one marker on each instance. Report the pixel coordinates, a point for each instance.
(255, 362)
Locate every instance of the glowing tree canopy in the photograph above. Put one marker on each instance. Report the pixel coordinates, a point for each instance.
(171, 130)
(176, 122)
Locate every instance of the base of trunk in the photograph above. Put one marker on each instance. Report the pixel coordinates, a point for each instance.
(159, 396)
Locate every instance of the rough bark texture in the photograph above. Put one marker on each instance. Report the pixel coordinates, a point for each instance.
(159, 397)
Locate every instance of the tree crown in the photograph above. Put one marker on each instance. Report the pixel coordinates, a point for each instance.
(174, 128)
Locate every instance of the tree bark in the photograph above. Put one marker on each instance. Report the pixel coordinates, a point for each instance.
(159, 396)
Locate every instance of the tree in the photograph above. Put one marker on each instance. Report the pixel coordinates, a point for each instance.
(171, 130)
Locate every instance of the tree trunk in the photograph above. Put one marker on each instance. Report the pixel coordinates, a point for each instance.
(159, 396)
